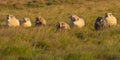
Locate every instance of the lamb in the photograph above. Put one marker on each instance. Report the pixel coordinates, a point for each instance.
(75, 20)
(12, 21)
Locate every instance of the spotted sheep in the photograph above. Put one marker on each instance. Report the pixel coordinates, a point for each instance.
(100, 24)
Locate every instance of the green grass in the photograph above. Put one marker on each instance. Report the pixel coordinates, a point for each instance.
(42, 43)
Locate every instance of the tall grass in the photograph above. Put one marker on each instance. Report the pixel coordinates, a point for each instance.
(42, 43)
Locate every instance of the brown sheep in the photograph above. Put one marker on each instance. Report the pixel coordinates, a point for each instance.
(40, 21)
(62, 26)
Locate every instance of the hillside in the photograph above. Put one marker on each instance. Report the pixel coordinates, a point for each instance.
(42, 43)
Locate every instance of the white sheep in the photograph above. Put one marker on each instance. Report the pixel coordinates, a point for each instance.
(111, 20)
(12, 21)
(75, 20)
(26, 22)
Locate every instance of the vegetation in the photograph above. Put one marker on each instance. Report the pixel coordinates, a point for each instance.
(43, 43)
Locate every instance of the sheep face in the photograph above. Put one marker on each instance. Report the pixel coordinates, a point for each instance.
(74, 18)
(26, 20)
(108, 14)
(10, 17)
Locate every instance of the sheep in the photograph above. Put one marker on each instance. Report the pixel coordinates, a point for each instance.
(40, 21)
(100, 24)
(62, 26)
(26, 22)
(12, 21)
(111, 20)
(75, 20)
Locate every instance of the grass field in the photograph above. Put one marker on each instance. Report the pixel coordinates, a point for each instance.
(42, 43)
